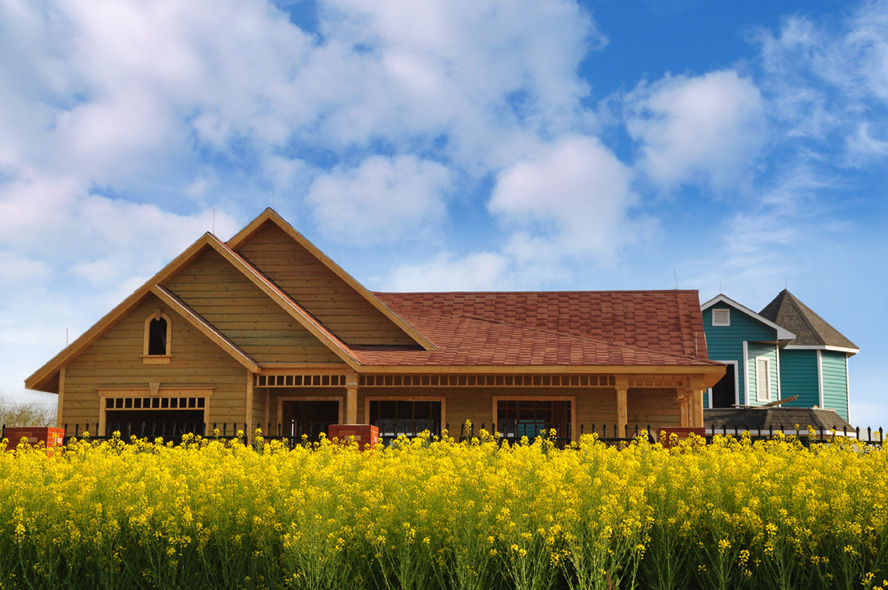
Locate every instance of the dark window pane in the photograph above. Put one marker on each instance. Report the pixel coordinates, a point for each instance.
(157, 337)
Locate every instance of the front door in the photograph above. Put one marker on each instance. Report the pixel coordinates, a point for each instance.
(308, 417)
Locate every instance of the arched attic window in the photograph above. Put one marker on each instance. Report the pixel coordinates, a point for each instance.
(158, 335)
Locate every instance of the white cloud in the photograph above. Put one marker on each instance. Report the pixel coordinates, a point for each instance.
(830, 79)
(383, 200)
(575, 193)
(479, 271)
(703, 129)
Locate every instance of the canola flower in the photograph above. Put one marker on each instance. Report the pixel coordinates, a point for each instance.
(436, 513)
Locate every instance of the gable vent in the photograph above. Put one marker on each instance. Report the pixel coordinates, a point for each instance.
(721, 317)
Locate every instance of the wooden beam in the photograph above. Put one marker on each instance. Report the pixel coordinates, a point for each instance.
(622, 389)
(351, 399)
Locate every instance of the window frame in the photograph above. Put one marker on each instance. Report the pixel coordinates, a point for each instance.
(574, 434)
(154, 391)
(759, 381)
(157, 359)
(407, 398)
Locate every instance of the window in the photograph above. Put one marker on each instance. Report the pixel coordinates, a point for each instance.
(156, 347)
(721, 317)
(516, 418)
(396, 417)
(763, 379)
(168, 412)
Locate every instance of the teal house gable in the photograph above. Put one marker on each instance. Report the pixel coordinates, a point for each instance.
(749, 345)
(784, 351)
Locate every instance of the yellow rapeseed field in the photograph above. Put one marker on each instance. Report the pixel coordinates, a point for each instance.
(434, 513)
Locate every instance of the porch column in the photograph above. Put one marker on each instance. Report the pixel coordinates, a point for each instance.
(683, 419)
(622, 387)
(695, 400)
(351, 398)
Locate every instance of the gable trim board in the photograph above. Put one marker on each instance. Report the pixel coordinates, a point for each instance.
(848, 351)
(204, 327)
(271, 216)
(782, 333)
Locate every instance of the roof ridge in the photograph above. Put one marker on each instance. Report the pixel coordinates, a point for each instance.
(796, 303)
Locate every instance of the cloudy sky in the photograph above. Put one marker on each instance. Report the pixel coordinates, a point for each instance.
(735, 147)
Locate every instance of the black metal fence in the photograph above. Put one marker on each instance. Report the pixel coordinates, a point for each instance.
(296, 433)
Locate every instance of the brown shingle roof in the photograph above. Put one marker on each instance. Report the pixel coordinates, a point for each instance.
(550, 328)
(810, 329)
(777, 418)
(479, 342)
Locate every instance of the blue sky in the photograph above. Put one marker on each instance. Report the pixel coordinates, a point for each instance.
(449, 144)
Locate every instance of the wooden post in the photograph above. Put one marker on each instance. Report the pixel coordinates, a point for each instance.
(351, 398)
(622, 386)
(695, 399)
(683, 420)
(61, 400)
(248, 414)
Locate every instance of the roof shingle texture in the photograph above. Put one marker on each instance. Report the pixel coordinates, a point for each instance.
(777, 418)
(810, 329)
(653, 328)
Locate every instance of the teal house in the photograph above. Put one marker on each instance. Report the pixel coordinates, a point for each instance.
(784, 350)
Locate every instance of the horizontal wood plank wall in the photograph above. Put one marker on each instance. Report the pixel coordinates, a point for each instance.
(115, 360)
(657, 407)
(246, 315)
(314, 286)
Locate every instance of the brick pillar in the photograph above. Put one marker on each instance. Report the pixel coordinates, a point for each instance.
(365, 435)
(50, 436)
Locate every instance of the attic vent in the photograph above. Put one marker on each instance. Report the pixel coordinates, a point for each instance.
(721, 317)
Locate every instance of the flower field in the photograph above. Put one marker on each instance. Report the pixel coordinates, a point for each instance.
(429, 514)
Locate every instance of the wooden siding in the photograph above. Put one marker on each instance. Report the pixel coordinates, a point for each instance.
(658, 408)
(314, 286)
(835, 382)
(115, 360)
(725, 343)
(243, 313)
(768, 351)
(798, 376)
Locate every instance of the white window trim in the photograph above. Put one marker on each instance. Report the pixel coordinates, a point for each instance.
(758, 376)
(723, 315)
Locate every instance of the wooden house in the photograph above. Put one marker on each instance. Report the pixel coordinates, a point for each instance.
(785, 350)
(266, 329)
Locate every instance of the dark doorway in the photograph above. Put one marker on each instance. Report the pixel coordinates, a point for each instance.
(723, 393)
(169, 424)
(309, 417)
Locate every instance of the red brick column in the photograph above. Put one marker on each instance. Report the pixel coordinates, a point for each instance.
(365, 435)
(50, 436)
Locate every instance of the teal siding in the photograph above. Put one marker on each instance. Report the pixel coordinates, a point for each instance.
(798, 376)
(835, 382)
(756, 351)
(725, 343)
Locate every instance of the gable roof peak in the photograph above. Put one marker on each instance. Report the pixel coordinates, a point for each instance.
(810, 329)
